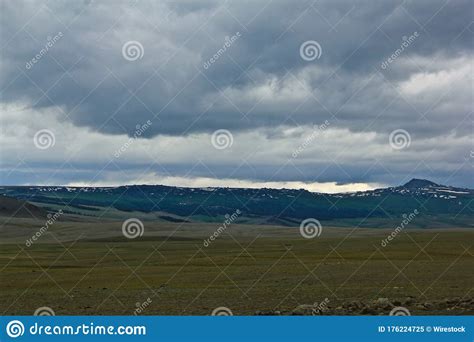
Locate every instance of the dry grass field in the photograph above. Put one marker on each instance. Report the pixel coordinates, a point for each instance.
(89, 268)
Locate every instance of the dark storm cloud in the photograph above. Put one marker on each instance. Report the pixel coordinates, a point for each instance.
(259, 84)
(105, 92)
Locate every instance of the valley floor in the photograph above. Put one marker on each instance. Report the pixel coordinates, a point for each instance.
(249, 270)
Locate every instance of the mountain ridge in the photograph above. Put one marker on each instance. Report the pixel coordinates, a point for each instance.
(419, 183)
(414, 183)
(436, 203)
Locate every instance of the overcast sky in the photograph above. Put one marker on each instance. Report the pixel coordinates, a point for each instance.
(323, 95)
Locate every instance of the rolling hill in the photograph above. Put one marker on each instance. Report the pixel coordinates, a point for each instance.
(436, 204)
(12, 207)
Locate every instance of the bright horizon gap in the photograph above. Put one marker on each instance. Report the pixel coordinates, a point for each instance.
(204, 182)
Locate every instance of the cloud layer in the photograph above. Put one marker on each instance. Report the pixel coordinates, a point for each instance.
(204, 66)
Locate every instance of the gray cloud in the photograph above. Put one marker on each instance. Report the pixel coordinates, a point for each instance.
(260, 83)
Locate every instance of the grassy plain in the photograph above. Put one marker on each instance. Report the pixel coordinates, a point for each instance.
(89, 268)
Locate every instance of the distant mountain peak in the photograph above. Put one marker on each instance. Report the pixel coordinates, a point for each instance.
(416, 183)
